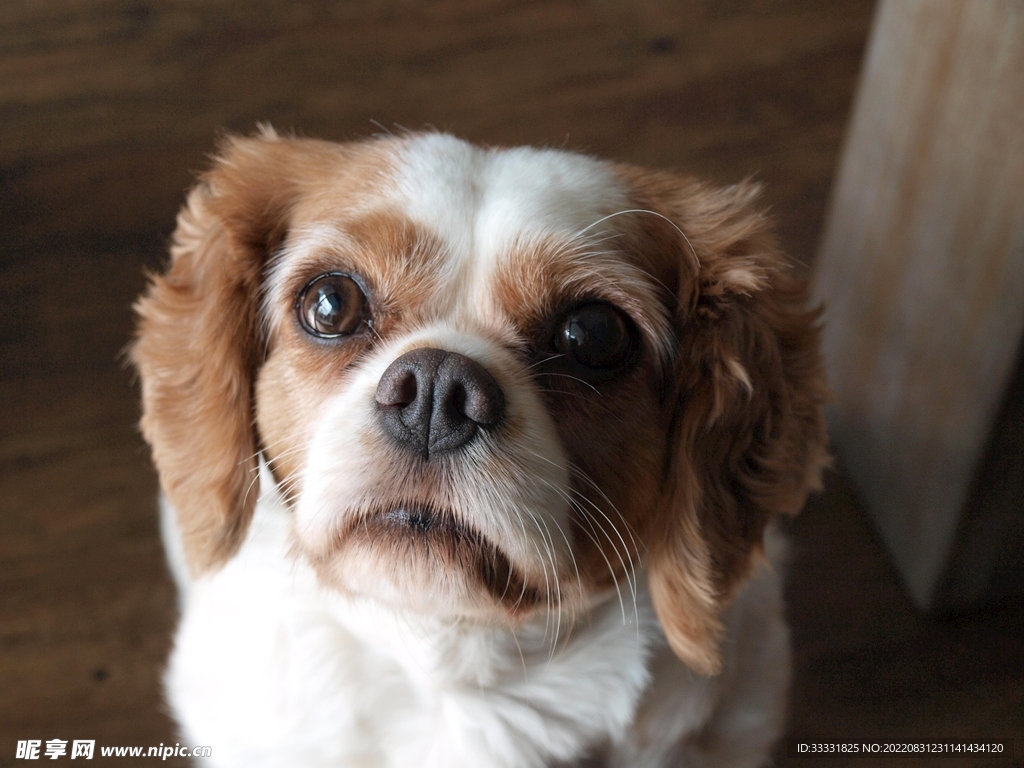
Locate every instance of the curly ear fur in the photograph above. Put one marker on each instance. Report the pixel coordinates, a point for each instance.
(748, 433)
(198, 344)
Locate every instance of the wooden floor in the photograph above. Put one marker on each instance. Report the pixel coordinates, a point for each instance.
(105, 107)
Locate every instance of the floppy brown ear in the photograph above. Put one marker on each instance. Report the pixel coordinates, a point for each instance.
(198, 344)
(748, 434)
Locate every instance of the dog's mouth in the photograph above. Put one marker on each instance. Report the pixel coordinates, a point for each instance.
(421, 521)
(438, 543)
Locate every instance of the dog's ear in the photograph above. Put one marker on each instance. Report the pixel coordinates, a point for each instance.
(747, 435)
(199, 343)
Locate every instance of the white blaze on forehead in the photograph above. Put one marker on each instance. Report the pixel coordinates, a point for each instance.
(480, 202)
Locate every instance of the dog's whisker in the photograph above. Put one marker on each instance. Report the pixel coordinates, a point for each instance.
(249, 487)
(584, 476)
(629, 571)
(545, 360)
(587, 518)
(647, 212)
(550, 546)
(574, 378)
(634, 542)
(503, 503)
(587, 398)
(542, 555)
(592, 535)
(626, 554)
(579, 472)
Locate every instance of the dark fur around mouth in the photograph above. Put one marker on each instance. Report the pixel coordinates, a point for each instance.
(411, 530)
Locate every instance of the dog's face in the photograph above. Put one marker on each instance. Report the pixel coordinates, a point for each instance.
(490, 383)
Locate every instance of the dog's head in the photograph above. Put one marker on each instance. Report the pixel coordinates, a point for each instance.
(490, 382)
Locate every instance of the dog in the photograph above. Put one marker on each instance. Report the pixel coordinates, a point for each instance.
(470, 457)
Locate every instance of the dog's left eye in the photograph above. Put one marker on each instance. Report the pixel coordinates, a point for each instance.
(596, 336)
(331, 305)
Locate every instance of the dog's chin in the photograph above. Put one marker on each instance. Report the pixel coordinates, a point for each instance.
(419, 558)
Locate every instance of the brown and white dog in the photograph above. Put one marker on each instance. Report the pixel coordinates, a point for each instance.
(469, 457)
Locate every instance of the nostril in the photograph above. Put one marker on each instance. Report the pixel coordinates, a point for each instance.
(484, 403)
(469, 392)
(407, 390)
(398, 390)
(457, 399)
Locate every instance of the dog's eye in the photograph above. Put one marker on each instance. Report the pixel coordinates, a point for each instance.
(596, 336)
(331, 305)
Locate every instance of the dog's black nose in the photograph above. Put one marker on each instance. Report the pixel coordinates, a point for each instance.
(431, 401)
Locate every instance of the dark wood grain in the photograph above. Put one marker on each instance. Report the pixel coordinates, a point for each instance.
(107, 107)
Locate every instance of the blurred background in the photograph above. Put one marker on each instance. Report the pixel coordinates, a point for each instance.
(107, 110)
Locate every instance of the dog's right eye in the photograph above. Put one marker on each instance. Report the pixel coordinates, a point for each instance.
(331, 305)
(596, 337)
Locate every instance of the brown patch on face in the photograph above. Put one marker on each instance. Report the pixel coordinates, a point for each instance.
(199, 340)
(745, 431)
(609, 426)
(537, 280)
(396, 264)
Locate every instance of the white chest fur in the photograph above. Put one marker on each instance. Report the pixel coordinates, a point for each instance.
(270, 669)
